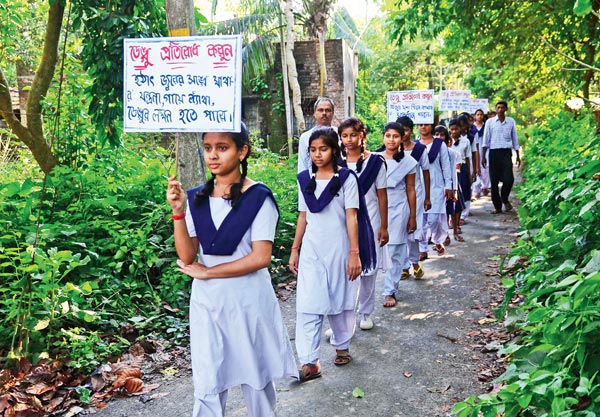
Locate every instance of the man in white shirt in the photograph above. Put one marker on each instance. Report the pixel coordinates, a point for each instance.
(500, 137)
(323, 114)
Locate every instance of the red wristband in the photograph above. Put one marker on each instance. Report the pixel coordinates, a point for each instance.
(178, 216)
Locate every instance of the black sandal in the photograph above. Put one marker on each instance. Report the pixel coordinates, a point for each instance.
(342, 357)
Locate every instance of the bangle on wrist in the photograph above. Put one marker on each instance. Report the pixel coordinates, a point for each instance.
(295, 247)
(355, 250)
(178, 216)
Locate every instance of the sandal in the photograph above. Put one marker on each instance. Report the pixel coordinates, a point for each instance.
(405, 274)
(440, 249)
(496, 212)
(447, 241)
(310, 371)
(389, 301)
(342, 357)
(461, 222)
(459, 238)
(423, 256)
(418, 272)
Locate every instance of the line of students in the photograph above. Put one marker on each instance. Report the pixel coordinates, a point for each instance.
(352, 204)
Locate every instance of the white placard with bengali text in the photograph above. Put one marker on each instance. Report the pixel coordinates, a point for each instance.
(479, 103)
(183, 84)
(416, 104)
(455, 100)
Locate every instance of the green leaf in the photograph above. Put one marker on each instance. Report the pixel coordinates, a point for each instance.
(42, 324)
(568, 281)
(587, 207)
(582, 7)
(593, 265)
(524, 400)
(358, 393)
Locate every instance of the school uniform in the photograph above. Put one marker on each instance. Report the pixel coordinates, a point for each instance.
(237, 333)
(440, 174)
(484, 173)
(324, 288)
(452, 206)
(372, 177)
(398, 216)
(419, 154)
(463, 148)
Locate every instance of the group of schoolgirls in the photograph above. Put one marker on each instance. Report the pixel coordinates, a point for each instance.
(352, 203)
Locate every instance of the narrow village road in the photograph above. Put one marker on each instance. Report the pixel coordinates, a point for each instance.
(421, 357)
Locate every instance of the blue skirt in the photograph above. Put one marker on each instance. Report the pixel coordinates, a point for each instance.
(464, 181)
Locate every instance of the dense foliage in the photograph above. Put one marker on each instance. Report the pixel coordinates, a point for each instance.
(532, 53)
(555, 268)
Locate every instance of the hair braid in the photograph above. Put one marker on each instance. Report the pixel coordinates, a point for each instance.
(335, 185)
(236, 189)
(206, 191)
(361, 158)
(399, 155)
(312, 184)
(343, 160)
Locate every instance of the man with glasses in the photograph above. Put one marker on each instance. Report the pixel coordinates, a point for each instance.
(323, 113)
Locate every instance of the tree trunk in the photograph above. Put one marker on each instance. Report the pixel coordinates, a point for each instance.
(189, 165)
(286, 90)
(32, 134)
(322, 64)
(591, 55)
(25, 76)
(291, 66)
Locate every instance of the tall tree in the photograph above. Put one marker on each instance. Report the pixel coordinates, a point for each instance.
(190, 167)
(32, 134)
(294, 85)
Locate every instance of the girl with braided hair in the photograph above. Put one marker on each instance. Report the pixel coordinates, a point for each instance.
(333, 244)
(372, 181)
(223, 236)
(402, 212)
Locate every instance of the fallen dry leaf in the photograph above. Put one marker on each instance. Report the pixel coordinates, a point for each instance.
(407, 374)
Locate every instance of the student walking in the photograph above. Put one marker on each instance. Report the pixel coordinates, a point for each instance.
(372, 180)
(402, 212)
(440, 173)
(224, 233)
(477, 130)
(462, 146)
(327, 254)
(418, 152)
(456, 204)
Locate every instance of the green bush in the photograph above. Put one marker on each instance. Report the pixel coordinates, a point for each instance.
(86, 248)
(554, 266)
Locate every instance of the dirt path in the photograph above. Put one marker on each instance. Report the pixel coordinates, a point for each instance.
(419, 359)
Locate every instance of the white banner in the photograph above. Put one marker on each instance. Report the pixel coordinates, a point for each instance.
(416, 104)
(479, 103)
(183, 84)
(455, 100)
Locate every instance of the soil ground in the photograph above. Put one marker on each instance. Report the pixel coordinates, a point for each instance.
(422, 356)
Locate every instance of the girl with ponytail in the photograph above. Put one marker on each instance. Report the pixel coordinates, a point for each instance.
(372, 181)
(402, 211)
(224, 233)
(333, 244)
